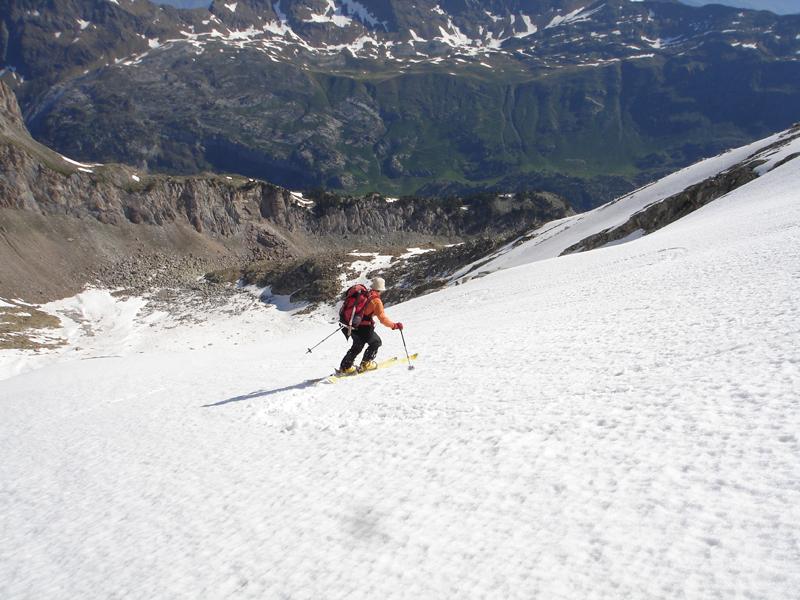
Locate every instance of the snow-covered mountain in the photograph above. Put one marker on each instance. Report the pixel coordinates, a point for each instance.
(621, 422)
(777, 6)
(425, 97)
(548, 33)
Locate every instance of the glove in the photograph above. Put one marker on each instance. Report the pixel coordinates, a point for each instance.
(398, 326)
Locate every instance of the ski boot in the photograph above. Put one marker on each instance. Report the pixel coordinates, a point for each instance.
(367, 365)
(351, 370)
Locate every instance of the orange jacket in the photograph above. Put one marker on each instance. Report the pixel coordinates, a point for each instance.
(375, 309)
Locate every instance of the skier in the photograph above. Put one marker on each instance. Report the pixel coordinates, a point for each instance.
(365, 334)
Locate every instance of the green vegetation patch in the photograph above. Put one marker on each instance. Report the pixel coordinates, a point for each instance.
(27, 328)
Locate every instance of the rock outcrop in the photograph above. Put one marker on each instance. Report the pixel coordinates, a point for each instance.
(218, 220)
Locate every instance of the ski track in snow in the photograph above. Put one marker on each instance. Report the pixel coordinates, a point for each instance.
(616, 424)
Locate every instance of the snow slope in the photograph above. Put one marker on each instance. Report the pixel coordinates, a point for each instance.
(555, 237)
(621, 423)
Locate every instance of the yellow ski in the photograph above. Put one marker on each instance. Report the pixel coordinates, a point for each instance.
(381, 365)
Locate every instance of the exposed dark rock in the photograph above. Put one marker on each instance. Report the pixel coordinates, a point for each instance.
(671, 209)
(311, 279)
(430, 271)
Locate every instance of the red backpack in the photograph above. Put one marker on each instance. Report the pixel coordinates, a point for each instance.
(352, 312)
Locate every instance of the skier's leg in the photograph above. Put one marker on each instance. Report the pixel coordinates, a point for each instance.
(374, 342)
(359, 339)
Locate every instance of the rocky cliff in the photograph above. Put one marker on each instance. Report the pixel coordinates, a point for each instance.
(116, 212)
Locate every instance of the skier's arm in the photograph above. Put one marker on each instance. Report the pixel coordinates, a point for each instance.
(377, 308)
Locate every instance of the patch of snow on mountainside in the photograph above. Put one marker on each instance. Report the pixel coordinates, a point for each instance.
(279, 42)
(454, 37)
(775, 156)
(661, 43)
(80, 165)
(93, 323)
(530, 28)
(570, 17)
(493, 17)
(359, 269)
(331, 14)
(99, 323)
(415, 37)
(361, 12)
(94, 311)
(621, 423)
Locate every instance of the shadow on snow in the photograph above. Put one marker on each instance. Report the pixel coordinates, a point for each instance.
(262, 393)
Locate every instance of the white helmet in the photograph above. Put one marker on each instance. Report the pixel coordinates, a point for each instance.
(378, 284)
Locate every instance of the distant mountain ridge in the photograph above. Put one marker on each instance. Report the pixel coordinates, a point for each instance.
(184, 3)
(785, 7)
(584, 99)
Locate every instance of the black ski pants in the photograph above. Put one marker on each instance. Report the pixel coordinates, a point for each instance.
(362, 336)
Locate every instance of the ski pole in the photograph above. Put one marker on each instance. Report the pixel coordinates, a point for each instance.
(410, 366)
(334, 333)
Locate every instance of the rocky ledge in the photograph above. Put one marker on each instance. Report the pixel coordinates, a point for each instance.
(64, 223)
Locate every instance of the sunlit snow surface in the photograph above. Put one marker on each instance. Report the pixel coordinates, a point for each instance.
(622, 423)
